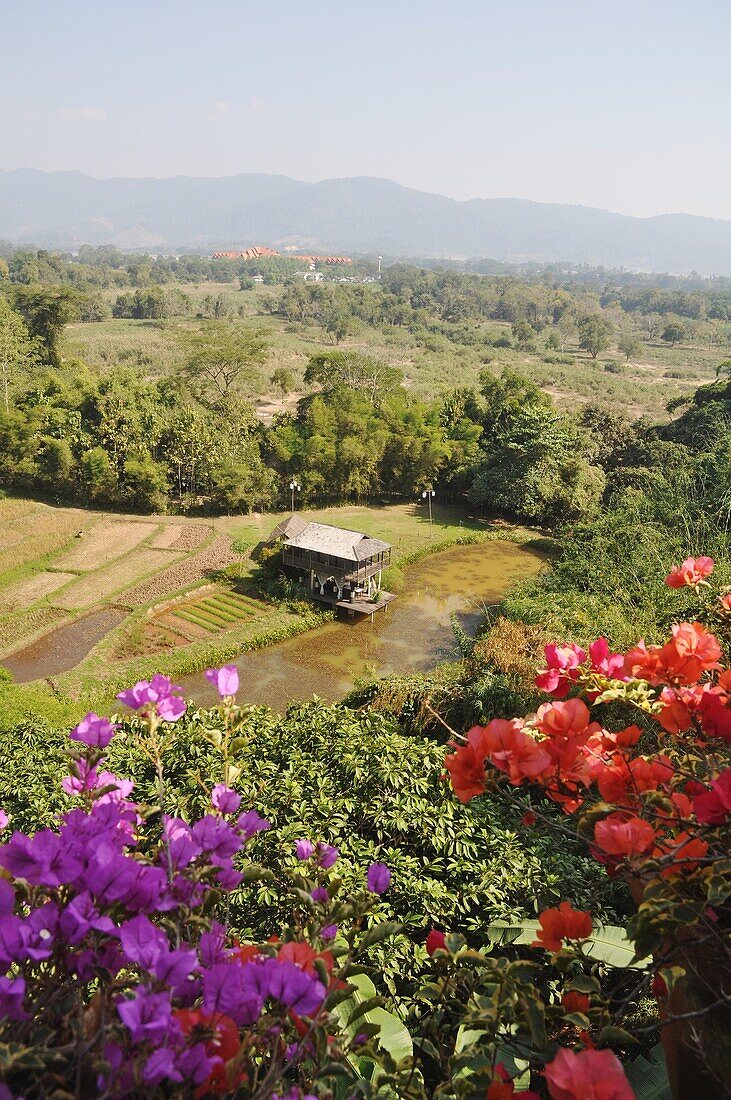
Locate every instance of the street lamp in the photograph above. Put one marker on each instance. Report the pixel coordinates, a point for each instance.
(294, 487)
(427, 495)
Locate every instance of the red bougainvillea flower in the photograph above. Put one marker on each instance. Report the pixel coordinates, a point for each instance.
(528, 818)
(691, 651)
(562, 669)
(575, 1002)
(223, 1045)
(435, 941)
(502, 1088)
(588, 1075)
(684, 850)
(564, 923)
(623, 835)
(715, 715)
(466, 765)
(623, 779)
(513, 751)
(725, 603)
(569, 719)
(691, 573)
(713, 807)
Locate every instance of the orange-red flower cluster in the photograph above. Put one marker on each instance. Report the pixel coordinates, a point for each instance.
(564, 923)
(691, 651)
(587, 1075)
(691, 573)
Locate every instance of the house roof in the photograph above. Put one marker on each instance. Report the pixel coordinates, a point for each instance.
(288, 528)
(321, 538)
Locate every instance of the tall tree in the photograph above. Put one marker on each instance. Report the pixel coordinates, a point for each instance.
(593, 334)
(223, 357)
(17, 349)
(46, 310)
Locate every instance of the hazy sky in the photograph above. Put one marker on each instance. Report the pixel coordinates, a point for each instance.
(623, 104)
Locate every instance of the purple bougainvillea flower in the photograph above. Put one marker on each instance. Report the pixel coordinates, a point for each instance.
(160, 692)
(378, 878)
(224, 799)
(326, 855)
(160, 1066)
(85, 778)
(212, 945)
(320, 894)
(42, 860)
(175, 967)
(181, 847)
(329, 932)
(250, 823)
(4, 819)
(225, 680)
(234, 990)
(93, 730)
(142, 941)
(217, 837)
(79, 916)
(295, 988)
(147, 1016)
(7, 897)
(12, 992)
(304, 849)
(171, 708)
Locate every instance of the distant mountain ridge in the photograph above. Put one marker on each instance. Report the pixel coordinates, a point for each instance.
(359, 214)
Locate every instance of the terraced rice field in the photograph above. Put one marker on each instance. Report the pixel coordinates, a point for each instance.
(115, 577)
(220, 609)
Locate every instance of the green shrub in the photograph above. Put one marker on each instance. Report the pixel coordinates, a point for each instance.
(356, 781)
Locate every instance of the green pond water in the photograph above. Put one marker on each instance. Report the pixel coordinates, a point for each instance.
(413, 635)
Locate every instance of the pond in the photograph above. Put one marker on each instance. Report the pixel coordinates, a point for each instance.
(413, 635)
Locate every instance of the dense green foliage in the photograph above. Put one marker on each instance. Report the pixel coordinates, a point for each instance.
(356, 781)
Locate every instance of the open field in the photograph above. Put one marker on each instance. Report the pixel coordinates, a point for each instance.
(430, 362)
(105, 543)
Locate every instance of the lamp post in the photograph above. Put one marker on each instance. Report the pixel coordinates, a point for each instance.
(294, 487)
(427, 495)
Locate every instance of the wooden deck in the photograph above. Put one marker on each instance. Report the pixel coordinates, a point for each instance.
(359, 607)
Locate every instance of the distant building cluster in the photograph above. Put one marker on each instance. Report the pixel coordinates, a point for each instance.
(261, 252)
(256, 252)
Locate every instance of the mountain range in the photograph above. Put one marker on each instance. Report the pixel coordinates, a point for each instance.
(360, 215)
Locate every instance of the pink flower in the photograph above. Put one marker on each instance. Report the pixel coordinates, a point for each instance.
(588, 1075)
(609, 664)
(93, 730)
(713, 807)
(303, 849)
(4, 819)
(225, 679)
(690, 574)
(562, 669)
(224, 799)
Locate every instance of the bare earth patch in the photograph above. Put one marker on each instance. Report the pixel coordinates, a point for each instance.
(215, 557)
(33, 589)
(106, 542)
(181, 536)
(89, 590)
